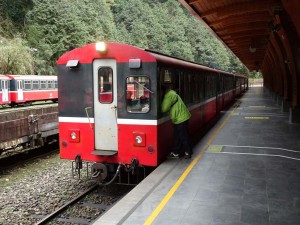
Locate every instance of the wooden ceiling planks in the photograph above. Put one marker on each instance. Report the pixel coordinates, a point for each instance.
(263, 34)
(243, 25)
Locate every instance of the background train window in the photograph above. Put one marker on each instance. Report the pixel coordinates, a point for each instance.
(105, 84)
(50, 84)
(43, 84)
(27, 84)
(138, 94)
(210, 90)
(35, 84)
(201, 83)
(195, 88)
(55, 83)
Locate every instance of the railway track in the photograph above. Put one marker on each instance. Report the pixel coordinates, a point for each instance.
(15, 160)
(86, 207)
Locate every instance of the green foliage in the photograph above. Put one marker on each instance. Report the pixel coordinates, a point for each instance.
(52, 27)
(15, 10)
(15, 57)
(55, 27)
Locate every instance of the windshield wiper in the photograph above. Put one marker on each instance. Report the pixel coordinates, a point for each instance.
(144, 87)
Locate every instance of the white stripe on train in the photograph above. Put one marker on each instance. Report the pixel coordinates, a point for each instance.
(120, 121)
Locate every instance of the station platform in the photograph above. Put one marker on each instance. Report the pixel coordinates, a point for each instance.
(244, 171)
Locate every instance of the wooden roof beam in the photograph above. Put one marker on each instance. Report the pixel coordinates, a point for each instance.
(253, 6)
(242, 19)
(244, 32)
(245, 27)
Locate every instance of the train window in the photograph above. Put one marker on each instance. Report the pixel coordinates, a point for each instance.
(55, 84)
(138, 94)
(105, 85)
(50, 84)
(35, 85)
(43, 84)
(4, 85)
(167, 76)
(27, 84)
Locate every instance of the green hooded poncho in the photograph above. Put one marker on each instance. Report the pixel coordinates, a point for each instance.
(175, 107)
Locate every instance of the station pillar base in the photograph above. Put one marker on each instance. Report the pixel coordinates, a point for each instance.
(285, 106)
(294, 116)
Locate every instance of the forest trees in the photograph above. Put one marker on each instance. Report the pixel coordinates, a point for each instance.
(49, 28)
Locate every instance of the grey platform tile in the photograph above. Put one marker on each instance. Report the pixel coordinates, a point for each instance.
(207, 197)
(228, 208)
(283, 205)
(284, 217)
(198, 214)
(255, 173)
(178, 202)
(236, 171)
(276, 195)
(232, 189)
(234, 180)
(255, 186)
(225, 218)
(254, 216)
(228, 223)
(187, 191)
(258, 201)
(230, 199)
(173, 216)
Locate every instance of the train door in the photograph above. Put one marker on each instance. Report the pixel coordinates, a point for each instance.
(20, 90)
(4, 86)
(105, 107)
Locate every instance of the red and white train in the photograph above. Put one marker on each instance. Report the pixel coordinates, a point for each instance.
(25, 89)
(109, 104)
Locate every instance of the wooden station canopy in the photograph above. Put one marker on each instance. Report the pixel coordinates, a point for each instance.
(263, 34)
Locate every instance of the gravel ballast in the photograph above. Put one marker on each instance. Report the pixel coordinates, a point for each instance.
(37, 188)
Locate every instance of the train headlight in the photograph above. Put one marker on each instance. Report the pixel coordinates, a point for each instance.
(101, 47)
(139, 139)
(74, 135)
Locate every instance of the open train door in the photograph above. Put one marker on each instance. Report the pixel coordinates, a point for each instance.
(105, 107)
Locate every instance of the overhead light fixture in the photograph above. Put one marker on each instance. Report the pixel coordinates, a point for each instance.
(252, 49)
(253, 45)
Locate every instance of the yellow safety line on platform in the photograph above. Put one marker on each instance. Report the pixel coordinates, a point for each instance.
(168, 196)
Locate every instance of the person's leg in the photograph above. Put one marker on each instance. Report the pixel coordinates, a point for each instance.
(177, 139)
(186, 140)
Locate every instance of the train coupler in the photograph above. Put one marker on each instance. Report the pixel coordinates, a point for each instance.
(99, 172)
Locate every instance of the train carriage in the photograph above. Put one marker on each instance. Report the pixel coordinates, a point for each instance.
(4, 90)
(110, 97)
(25, 89)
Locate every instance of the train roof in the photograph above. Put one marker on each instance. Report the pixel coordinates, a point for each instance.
(124, 52)
(4, 77)
(31, 77)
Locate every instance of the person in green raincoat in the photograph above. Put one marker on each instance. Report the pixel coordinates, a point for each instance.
(179, 115)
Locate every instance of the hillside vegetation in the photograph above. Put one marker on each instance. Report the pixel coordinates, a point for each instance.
(34, 33)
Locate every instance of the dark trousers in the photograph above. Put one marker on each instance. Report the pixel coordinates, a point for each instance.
(181, 137)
